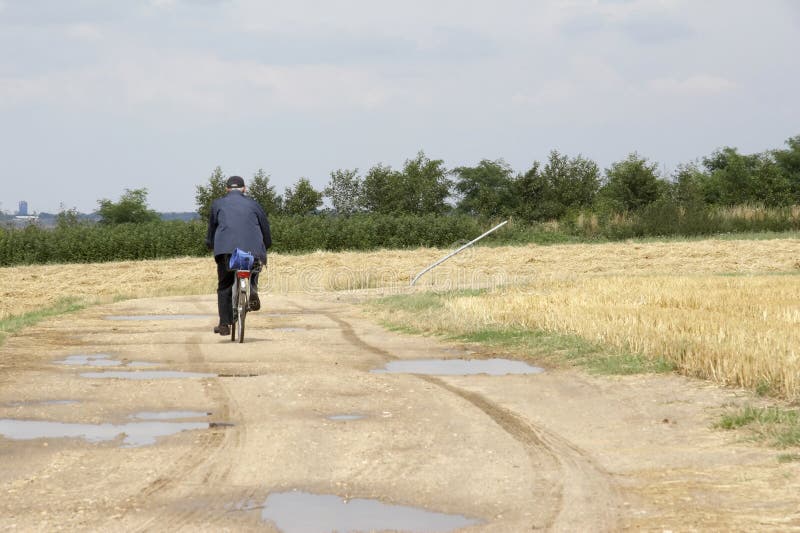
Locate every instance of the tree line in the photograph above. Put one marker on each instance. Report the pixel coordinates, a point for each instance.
(563, 186)
(559, 187)
(564, 199)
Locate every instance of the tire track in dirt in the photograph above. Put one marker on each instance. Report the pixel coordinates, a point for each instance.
(585, 493)
(213, 459)
(209, 441)
(585, 485)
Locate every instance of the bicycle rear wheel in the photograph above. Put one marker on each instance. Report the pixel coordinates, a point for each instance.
(241, 314)
(234, 305)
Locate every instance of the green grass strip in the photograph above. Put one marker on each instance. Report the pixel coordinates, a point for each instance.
(542, 346)
(776, 426)
(15, 323)
(422, 301)
(562, 348)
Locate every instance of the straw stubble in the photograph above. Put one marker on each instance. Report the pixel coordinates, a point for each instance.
(725, 310)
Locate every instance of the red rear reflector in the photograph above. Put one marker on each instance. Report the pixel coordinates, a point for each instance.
(241, 274)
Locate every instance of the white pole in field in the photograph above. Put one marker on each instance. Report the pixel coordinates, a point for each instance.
(451, 254)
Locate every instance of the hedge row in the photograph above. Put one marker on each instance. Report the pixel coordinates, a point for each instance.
(87, 243)
(667, 218)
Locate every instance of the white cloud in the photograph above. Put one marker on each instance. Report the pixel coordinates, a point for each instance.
(161, 4)
(585, 78)
(458, 77)
(702, 84)
(415, 20)
(15, 91)
(549, 93)
(204, 84)
(84, 32)
(214, 85)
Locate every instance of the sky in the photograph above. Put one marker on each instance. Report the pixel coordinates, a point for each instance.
(97, 97)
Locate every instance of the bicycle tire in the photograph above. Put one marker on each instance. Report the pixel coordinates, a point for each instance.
(241, 314)
(234, 298)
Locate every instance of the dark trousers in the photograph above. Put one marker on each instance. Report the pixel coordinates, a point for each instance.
(226, 279)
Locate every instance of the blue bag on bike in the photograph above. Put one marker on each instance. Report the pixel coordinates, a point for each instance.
(241, 260)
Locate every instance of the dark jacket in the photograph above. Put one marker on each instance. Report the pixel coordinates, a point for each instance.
(237, 221)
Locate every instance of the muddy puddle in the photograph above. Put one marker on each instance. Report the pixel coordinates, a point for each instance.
(133, 434)
(42, 402)
(156, 317)
(89, 360)
(300, 512)
(101, 360)
(168, 415)
(458, 367)
(145, 374)
(346, 417)
(126, 368)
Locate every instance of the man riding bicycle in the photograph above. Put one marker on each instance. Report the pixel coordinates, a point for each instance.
(236, 221)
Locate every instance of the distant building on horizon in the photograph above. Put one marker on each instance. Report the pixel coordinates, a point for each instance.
(22, 217)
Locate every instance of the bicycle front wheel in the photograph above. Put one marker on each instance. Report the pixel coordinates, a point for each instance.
(241, 313)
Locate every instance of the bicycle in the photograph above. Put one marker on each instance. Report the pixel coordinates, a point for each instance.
(240, 298)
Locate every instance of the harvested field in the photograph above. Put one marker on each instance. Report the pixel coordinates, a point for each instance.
(740, 331)
(559, 450)
(27, 288)
(722, 310)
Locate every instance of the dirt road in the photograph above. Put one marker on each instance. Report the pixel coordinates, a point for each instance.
(273, 433)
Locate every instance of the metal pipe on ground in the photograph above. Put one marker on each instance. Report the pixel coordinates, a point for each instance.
(451, 254)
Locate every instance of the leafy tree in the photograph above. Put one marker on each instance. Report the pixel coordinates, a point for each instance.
(302, 199)
(772, 186)
(573, 182)
(131, 208)
(563, 184)
(739, 178)
(528, 190)
(485, 189)
(382, 190)
(345, 189)
(427, 186)
(789, 159)
(688, 184)
(730, 179)
(67, 218)
(788, 162)
(204, 195)
(422, 187)
(264, 193)
(631, 184)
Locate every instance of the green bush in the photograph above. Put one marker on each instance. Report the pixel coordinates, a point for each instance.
(86, 243)
(83, 243)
